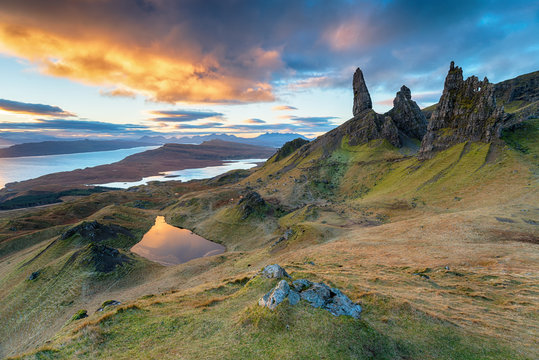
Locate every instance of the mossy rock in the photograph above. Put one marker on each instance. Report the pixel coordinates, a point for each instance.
(81, 314)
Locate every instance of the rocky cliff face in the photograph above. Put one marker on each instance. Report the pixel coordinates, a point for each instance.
(519, 97)
(524, 88)
(467, 111)
(407, 115)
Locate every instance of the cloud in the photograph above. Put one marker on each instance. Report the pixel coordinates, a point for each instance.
(118, 93)
(183, 115)
(385, 102)
(72, 125)
(255, 121)
(33, 109)
(283, 107)
(314, 121)
(207, 125)
(221, 51)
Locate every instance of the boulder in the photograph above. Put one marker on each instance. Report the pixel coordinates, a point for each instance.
(293, 297)
(275, 296)
(274, 271)
(339, 304)
(318, 295)
(34, 275)
(108, 303)
(301, 284)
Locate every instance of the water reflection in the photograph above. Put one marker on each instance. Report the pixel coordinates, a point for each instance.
(169, 245)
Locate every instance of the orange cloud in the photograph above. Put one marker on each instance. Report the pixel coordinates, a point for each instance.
(118, 93)
(133, 68)
(254, 121)
(283, 107)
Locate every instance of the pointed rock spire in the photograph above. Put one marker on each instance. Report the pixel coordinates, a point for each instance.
(362, 99)
(467, 111)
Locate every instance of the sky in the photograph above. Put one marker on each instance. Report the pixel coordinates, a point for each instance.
(129, 68)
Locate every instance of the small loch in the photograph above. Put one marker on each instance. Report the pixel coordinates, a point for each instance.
(169, 245)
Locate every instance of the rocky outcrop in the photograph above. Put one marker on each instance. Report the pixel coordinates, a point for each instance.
(274, 272)
(366, 127)
(362, 98)
(252, 203)
(519, 97)
(94, 231)
(407, 115)
(108, 304)
(98, 257)
(467, 111)
(404, 121)
(318, 295)
(289, 147)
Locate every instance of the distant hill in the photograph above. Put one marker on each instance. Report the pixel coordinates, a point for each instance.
(67, 147)
(169, 157)
(274, 140)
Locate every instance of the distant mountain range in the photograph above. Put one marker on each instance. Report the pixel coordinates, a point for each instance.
(57, 147)
(67, 147)
(274, 140)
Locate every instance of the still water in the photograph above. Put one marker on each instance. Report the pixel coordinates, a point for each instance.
(29, 167)
(190, 174)
(169, 245)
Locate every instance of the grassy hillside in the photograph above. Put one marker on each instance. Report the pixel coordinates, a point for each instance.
(440, 254)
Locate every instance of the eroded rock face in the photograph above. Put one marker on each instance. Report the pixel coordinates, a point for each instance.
(370, 126)
(467, 111)
(318, 295)
(274, 271)
(523, 88)
(407, 115)
(362, 98)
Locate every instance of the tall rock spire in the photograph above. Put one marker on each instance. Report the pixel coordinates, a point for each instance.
(467, 111)
(362, 99)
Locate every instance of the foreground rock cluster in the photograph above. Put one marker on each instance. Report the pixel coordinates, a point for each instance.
(318, 295)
